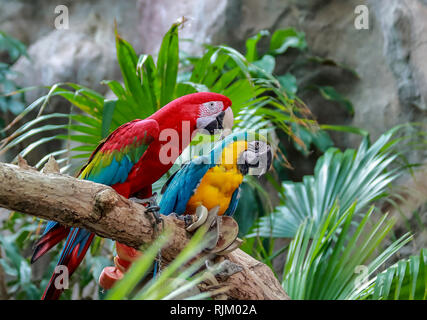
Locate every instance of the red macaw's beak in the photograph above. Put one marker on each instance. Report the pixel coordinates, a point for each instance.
(221, 121)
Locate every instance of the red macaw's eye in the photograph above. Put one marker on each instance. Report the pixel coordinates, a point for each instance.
(211, 108)
(212, 116)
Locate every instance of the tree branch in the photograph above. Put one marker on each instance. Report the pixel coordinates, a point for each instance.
(98, 208)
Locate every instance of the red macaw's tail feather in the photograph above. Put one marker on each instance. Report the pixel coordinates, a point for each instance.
(75, 248)
(53, 234)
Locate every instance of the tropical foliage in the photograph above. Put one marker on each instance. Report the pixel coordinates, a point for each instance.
(10, 103)
(324, 259)
(405, 280)
(339, 177)
(176, 281)
(337, 236)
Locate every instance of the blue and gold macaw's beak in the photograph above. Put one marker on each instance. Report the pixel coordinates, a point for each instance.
(221, 121)
(256, 159)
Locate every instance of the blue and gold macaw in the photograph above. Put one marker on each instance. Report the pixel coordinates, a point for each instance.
(214, 180)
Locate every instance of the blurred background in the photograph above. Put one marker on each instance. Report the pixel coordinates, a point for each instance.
(357, 83)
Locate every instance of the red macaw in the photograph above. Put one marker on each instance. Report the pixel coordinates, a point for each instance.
(130, 161)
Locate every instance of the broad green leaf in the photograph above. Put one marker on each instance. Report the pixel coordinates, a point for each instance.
(167, 65)
(251, 44)
(266, 63)
(289, 83)
(107, 117)
(283, 39)
(128, 61)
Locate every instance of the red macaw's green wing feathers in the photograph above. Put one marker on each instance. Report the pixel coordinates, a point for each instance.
(114, 158)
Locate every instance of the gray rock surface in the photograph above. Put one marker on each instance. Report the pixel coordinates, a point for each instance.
(388, 57)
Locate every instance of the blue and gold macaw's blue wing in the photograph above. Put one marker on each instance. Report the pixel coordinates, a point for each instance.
(233, 203)
(182, 185)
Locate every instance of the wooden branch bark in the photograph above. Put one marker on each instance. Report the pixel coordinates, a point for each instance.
(98, 208)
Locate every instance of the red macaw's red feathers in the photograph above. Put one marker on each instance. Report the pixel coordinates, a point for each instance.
(128, 161)
(76, 246)
(49, 240)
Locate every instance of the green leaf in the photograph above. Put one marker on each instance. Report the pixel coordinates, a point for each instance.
(13, 46)
(405, 280)
(167, 65)
(329, 93)
(266, 63)
(283, 39)
(247, 209)
(289, 83)
(251, 43)
(348, 129)
(147, 72)
(116, 87)
(323, 260)
(107, 117)
(338, 176)
(128, 61)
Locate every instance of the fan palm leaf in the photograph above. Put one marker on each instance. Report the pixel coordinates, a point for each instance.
(341, 177)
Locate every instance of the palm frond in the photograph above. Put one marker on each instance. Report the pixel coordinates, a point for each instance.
(342, 177)
(405, 280)
(323, 259)
(177, 280)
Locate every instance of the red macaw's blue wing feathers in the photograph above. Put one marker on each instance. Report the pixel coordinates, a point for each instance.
(109, 164)
(113, 160)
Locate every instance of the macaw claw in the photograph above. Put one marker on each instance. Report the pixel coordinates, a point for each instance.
(151, 206)
(187, 218)
(233, 246)
(227, 234)
(147, 202)
(202, 215)
(155, 211)
(222, 230)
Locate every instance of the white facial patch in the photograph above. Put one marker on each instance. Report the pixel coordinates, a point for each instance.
(210, 108)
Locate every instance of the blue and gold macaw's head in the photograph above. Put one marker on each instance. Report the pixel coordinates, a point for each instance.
(250, 151)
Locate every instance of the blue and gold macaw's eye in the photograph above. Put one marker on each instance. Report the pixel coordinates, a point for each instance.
(256, 159)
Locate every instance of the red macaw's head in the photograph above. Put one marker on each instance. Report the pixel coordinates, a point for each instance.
(205, 111)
